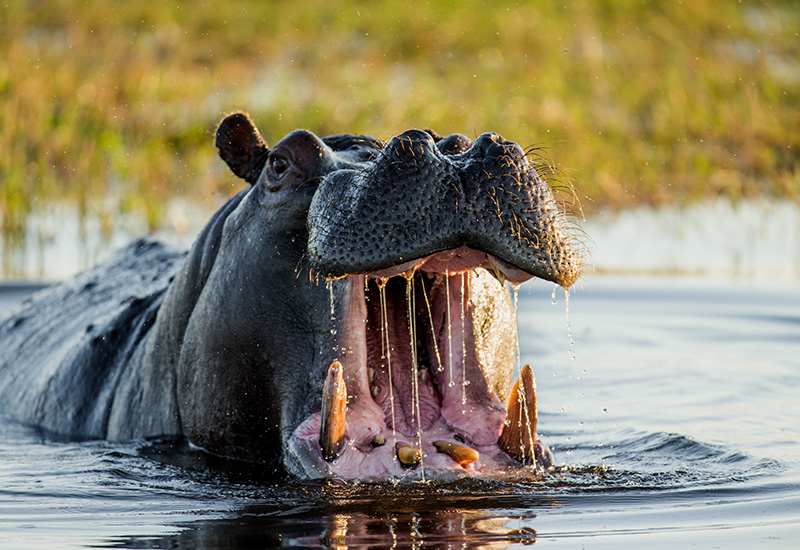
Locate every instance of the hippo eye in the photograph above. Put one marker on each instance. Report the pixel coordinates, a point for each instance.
(279, 166)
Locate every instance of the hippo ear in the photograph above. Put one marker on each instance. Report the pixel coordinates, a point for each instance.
(242, 147)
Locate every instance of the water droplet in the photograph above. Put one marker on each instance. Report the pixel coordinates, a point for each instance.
(386, 349)
(412, 333)
(569, 327)
(462, 301)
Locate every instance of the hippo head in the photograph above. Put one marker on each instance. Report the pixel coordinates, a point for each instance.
(357, 320)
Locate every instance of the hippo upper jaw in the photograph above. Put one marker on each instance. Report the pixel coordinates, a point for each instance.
(413, 201)
(455, 261)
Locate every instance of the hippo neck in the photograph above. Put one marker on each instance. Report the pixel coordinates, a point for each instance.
(252, 328)
(163, 347)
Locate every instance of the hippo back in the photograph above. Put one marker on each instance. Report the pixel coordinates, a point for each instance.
(64, 352)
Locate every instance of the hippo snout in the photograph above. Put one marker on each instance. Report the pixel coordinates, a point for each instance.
(415, 200)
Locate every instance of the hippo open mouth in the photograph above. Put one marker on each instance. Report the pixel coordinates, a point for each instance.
(410, 391)
(426, 331)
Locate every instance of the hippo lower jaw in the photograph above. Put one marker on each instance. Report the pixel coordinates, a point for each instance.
(378, 420)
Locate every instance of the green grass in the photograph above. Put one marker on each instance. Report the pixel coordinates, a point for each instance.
(112, 105)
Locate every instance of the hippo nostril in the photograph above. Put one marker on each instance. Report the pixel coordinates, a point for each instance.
(411, 147)
(416, 135)
(494, 146)
(497, 138)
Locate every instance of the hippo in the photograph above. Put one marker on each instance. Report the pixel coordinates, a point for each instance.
(347, 314)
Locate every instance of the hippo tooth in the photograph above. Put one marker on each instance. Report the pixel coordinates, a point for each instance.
(495, 271)
(460, 453)
(334, 402)
(408, 455)
(424, 376)
(374, 391)
(378, 441)
(519, 432)
(371, 375)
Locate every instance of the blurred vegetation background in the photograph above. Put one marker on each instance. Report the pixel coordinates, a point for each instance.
(110, 107)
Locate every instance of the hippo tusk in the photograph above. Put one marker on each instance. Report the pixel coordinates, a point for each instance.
(334, 402)
(460, 453)
(519, 432)
(496, 272)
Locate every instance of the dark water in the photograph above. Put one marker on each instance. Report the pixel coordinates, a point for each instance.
(676, 424)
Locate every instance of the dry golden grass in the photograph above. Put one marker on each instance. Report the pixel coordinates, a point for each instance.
(112, 106)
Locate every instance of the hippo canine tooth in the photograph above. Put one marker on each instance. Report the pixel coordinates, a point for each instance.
(460, 453)
(408, 455)
(519, 432)
(497, 273)
(333, 416)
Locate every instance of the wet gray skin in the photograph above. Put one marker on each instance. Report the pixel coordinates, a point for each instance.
(232, 344)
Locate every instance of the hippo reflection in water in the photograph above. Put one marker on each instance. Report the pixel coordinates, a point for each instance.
(347, 315)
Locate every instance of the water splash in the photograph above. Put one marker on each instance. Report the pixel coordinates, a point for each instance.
(329, 284)
(440, 367)
(527, 422)
(412, 330)
(569, 326)
(386, 353)
(449, 330)
(521, 395)
(570, 334)
(463, 349)
(518, 358)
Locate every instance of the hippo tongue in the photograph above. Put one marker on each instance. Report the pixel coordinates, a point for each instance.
(413, 201)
